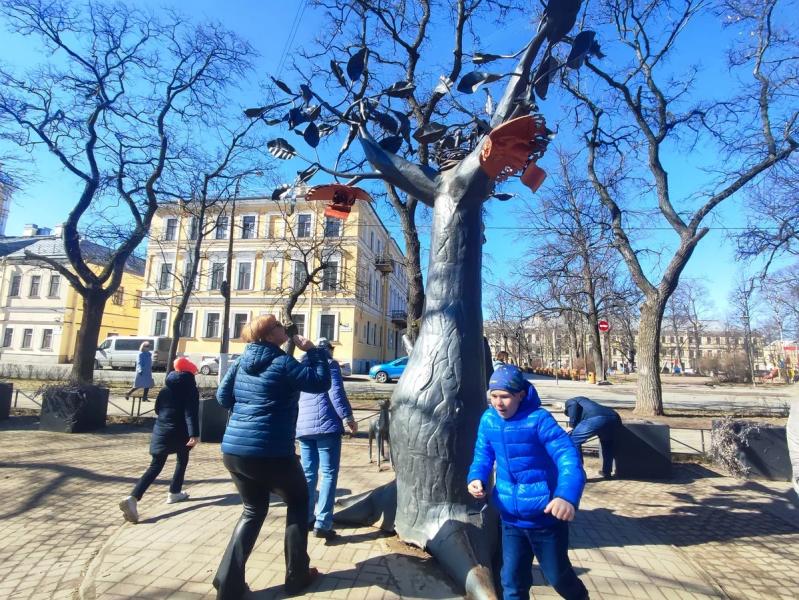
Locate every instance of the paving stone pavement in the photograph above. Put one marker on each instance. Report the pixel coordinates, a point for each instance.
(697, 535)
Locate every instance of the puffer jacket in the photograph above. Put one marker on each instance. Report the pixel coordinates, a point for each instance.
(323, 413)
(176, 409)
(262, 389)
(536, 461)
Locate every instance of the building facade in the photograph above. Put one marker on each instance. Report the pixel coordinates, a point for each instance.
(40, 313)
(358, 300)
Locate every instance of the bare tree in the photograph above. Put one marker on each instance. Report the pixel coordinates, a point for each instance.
(638, 111)
(117, 89)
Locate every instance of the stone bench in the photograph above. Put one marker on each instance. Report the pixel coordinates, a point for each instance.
(68, 409)
(642, 450)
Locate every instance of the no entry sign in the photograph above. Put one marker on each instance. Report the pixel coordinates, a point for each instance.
(603, 325)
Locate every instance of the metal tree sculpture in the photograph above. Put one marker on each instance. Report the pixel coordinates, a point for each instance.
(438, 402)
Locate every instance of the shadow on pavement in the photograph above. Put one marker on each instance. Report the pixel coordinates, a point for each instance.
(195, 503)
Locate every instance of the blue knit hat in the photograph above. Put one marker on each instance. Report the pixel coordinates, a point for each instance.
(508, 378)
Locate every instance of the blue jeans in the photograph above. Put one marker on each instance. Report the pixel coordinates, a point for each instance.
(321, 452)
(550, 545)
(605, 429)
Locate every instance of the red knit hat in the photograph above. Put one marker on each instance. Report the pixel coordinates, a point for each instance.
(184, 364)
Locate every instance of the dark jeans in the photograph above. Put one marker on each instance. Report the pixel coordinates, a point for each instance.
(550, 545)
(603, 427)
(155, 468)
(255, 479)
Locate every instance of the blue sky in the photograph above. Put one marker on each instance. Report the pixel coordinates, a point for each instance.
(267, 25)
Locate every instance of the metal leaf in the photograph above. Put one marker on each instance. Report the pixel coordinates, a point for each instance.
(254, 113)
(282, 86)
(385, 121)
(401, 89)
(478, 58)
(334, 66)
(279, 191)
(391, 144)
(280, 148)
(305, 175)
(312, 112)
(544, 74)
(311, 135)
(430, 133)
(306, 92)
(356, 63)
(581, 48)
(559, 18)
(503, 196)
(471, 81)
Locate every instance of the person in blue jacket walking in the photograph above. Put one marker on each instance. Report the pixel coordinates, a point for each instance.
(539, 482)
(319, 431)
(262, 391)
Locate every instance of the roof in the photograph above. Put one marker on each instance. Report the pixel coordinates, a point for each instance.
(53, 247)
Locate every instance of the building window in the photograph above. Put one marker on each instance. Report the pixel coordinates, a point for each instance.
(217, 275)
(248, 227)
(163, 277)
(239, 321)
(330, 276)
(47, 339)
(221, 227)
(16, 282)
(27, 338)
(8, 336)
(244, 276)
(299, 321)
(304, 226)
(187, 325)
(332, 227)
(212, 325)
(36, 281)
(299, 275)
(188, 267)
(327, 327)
(118, 296)
(171, 230)
(194, 228)
(54, 288)
(160, 323)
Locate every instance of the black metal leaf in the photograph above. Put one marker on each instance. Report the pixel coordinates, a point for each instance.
(271, 122)
(280, 148)
(503, 196)
(306, 92)
(282, 86)
(385, 121)
(559, 18)
(334, 66)
(312, 112)
(478, 58)
(311, 135)
(430, 133)
(277, 192)
(356, 63)
(401, 89)
(544, 74)
(581, 48)
(305, 175)
(471, 81)
(296, 117)
(391, 144)
(254, 113)
(326, 129)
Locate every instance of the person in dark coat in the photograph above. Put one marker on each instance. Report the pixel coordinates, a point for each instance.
(262, 391)
(588, 419)
(319, 430)
(144, 373)
(176, 431)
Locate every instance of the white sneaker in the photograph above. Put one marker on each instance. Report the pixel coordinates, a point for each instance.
(129, 509)
(179, 497)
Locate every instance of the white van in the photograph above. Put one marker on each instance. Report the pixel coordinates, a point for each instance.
(121, 351)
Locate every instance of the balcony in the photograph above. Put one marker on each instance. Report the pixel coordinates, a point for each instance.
(384, 264)
(399, 317)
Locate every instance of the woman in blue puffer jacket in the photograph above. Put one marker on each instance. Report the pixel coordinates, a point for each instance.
(319, 431)
(539, 481)
(262, 390)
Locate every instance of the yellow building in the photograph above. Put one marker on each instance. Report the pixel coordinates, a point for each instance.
(40, 314)
(358, 302)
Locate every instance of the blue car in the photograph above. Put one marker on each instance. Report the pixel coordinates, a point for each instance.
(385, 372)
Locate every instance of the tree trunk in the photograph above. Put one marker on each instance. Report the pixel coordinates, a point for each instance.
(88, 335)
(413, 272)
(649, 396)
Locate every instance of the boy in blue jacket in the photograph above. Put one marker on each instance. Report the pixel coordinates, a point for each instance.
(539, 481)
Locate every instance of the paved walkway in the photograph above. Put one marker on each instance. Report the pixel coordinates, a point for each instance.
(696, 536)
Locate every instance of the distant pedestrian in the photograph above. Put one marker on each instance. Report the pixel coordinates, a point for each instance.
(793, 442)
(539, 482)
(589, 419)
(176, 432)
(144, 372)
(500, 359)
(319, 430)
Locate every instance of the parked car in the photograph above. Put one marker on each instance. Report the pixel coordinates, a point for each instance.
(121, 351)
(385, 372)
(210, 364)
